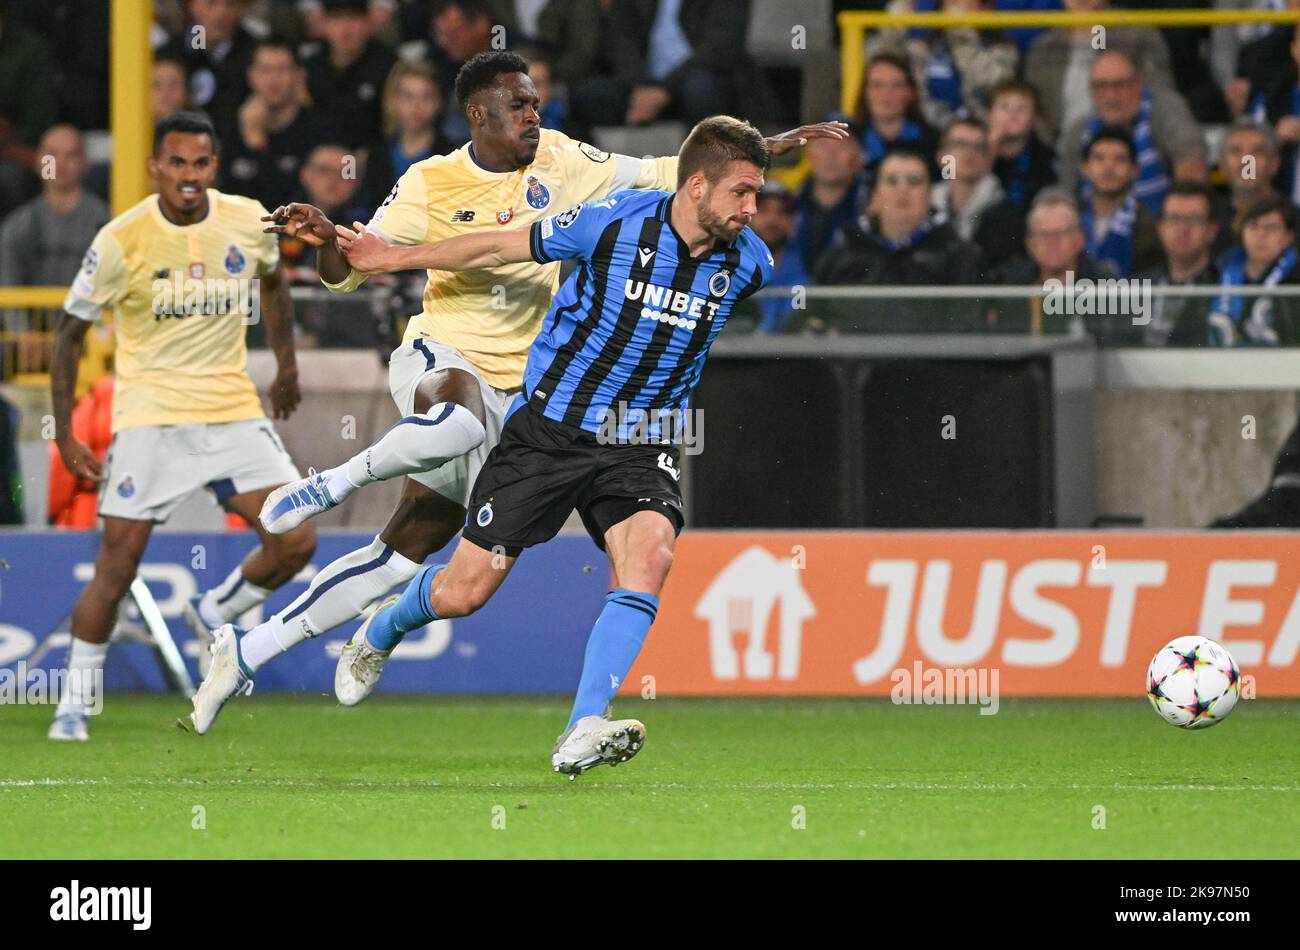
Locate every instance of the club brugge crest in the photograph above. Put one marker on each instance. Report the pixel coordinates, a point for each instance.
(196, 270)
(235, 260)
(484, 517)
(537, 194)
(720, 283)
(126, 487)
(503, 217)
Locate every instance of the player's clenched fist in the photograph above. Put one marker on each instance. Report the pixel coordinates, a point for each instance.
(303, 221)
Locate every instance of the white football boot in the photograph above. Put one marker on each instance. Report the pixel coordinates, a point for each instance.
(226, 677)
(593, 741)
(360, 664)
(202, 632)
(293, 503)
(69, 727)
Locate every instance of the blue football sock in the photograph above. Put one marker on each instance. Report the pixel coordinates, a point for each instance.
(615, 641)
(411, 612)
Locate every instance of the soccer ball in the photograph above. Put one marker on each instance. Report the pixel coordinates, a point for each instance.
(1193, 682)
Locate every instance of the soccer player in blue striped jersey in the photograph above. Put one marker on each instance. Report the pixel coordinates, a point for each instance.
(607, 381)
(620, 352)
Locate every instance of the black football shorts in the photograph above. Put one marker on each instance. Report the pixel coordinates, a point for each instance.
(541, 470)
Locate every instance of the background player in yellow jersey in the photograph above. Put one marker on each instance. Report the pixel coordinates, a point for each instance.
(182, 272)
(462, 359)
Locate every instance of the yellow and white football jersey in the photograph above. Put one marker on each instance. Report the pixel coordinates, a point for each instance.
(182, 299)
(491, 315)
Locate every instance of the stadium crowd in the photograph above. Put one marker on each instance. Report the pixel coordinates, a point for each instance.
(977, 157)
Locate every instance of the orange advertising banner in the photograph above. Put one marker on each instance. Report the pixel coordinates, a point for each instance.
(804, 613)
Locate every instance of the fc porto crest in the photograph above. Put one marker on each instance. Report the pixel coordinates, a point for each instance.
(537, 194)
(235, 260)
(720, 283)
(196, 270)
(503, 217)
(126, 487)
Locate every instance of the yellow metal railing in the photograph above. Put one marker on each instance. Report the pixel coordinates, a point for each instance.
(24, 350)
(855, 23)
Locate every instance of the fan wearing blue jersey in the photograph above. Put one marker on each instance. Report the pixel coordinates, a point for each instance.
(620, 351)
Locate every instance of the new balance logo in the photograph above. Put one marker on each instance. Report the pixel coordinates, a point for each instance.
(646, 253)
(613, 681)
(463, 215)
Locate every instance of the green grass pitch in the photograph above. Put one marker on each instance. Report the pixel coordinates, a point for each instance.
(414, 777)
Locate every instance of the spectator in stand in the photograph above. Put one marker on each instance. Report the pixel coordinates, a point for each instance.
(553, 110)
(955, 69)
(1279, 103)
(1229, 40)
(833, 192)
(1055, 240)
(216, 49)
(1260, 63)
(327, 180)
(776, 222)
(1187, 229)
(1249, 163)
(1266, 257)
(572, 32)
(898, 241)
(42, 242)
(313, 13)
(888, 113)
(1119, 230)
(346, 77)
(1167, 138)
(274, 131)
(970, 197)
(169, 90)
(28, 102)
(1059, 64)
(412, 105)
(672, 60)
(461, 29)
(1023, 162)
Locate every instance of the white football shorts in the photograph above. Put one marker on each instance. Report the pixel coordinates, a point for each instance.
(151, 469)
(410, 363)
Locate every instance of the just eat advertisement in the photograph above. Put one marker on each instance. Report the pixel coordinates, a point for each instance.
(1054, 614)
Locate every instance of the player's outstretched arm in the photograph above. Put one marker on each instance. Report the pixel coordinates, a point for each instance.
(78, 458)
(308, 223)
(277, 309)
(367, 252)
(797, 138)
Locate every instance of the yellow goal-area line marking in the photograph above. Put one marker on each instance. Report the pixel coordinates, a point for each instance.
(855, 23)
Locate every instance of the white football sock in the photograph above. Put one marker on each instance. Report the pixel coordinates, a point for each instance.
(339, 593)
(230, 599)
(81, 686)
(418, 443)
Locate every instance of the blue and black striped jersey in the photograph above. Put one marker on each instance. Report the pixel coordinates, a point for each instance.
(627, 335)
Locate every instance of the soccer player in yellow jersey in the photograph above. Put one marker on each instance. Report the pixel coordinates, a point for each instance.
(462, 359)
(182, 272)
